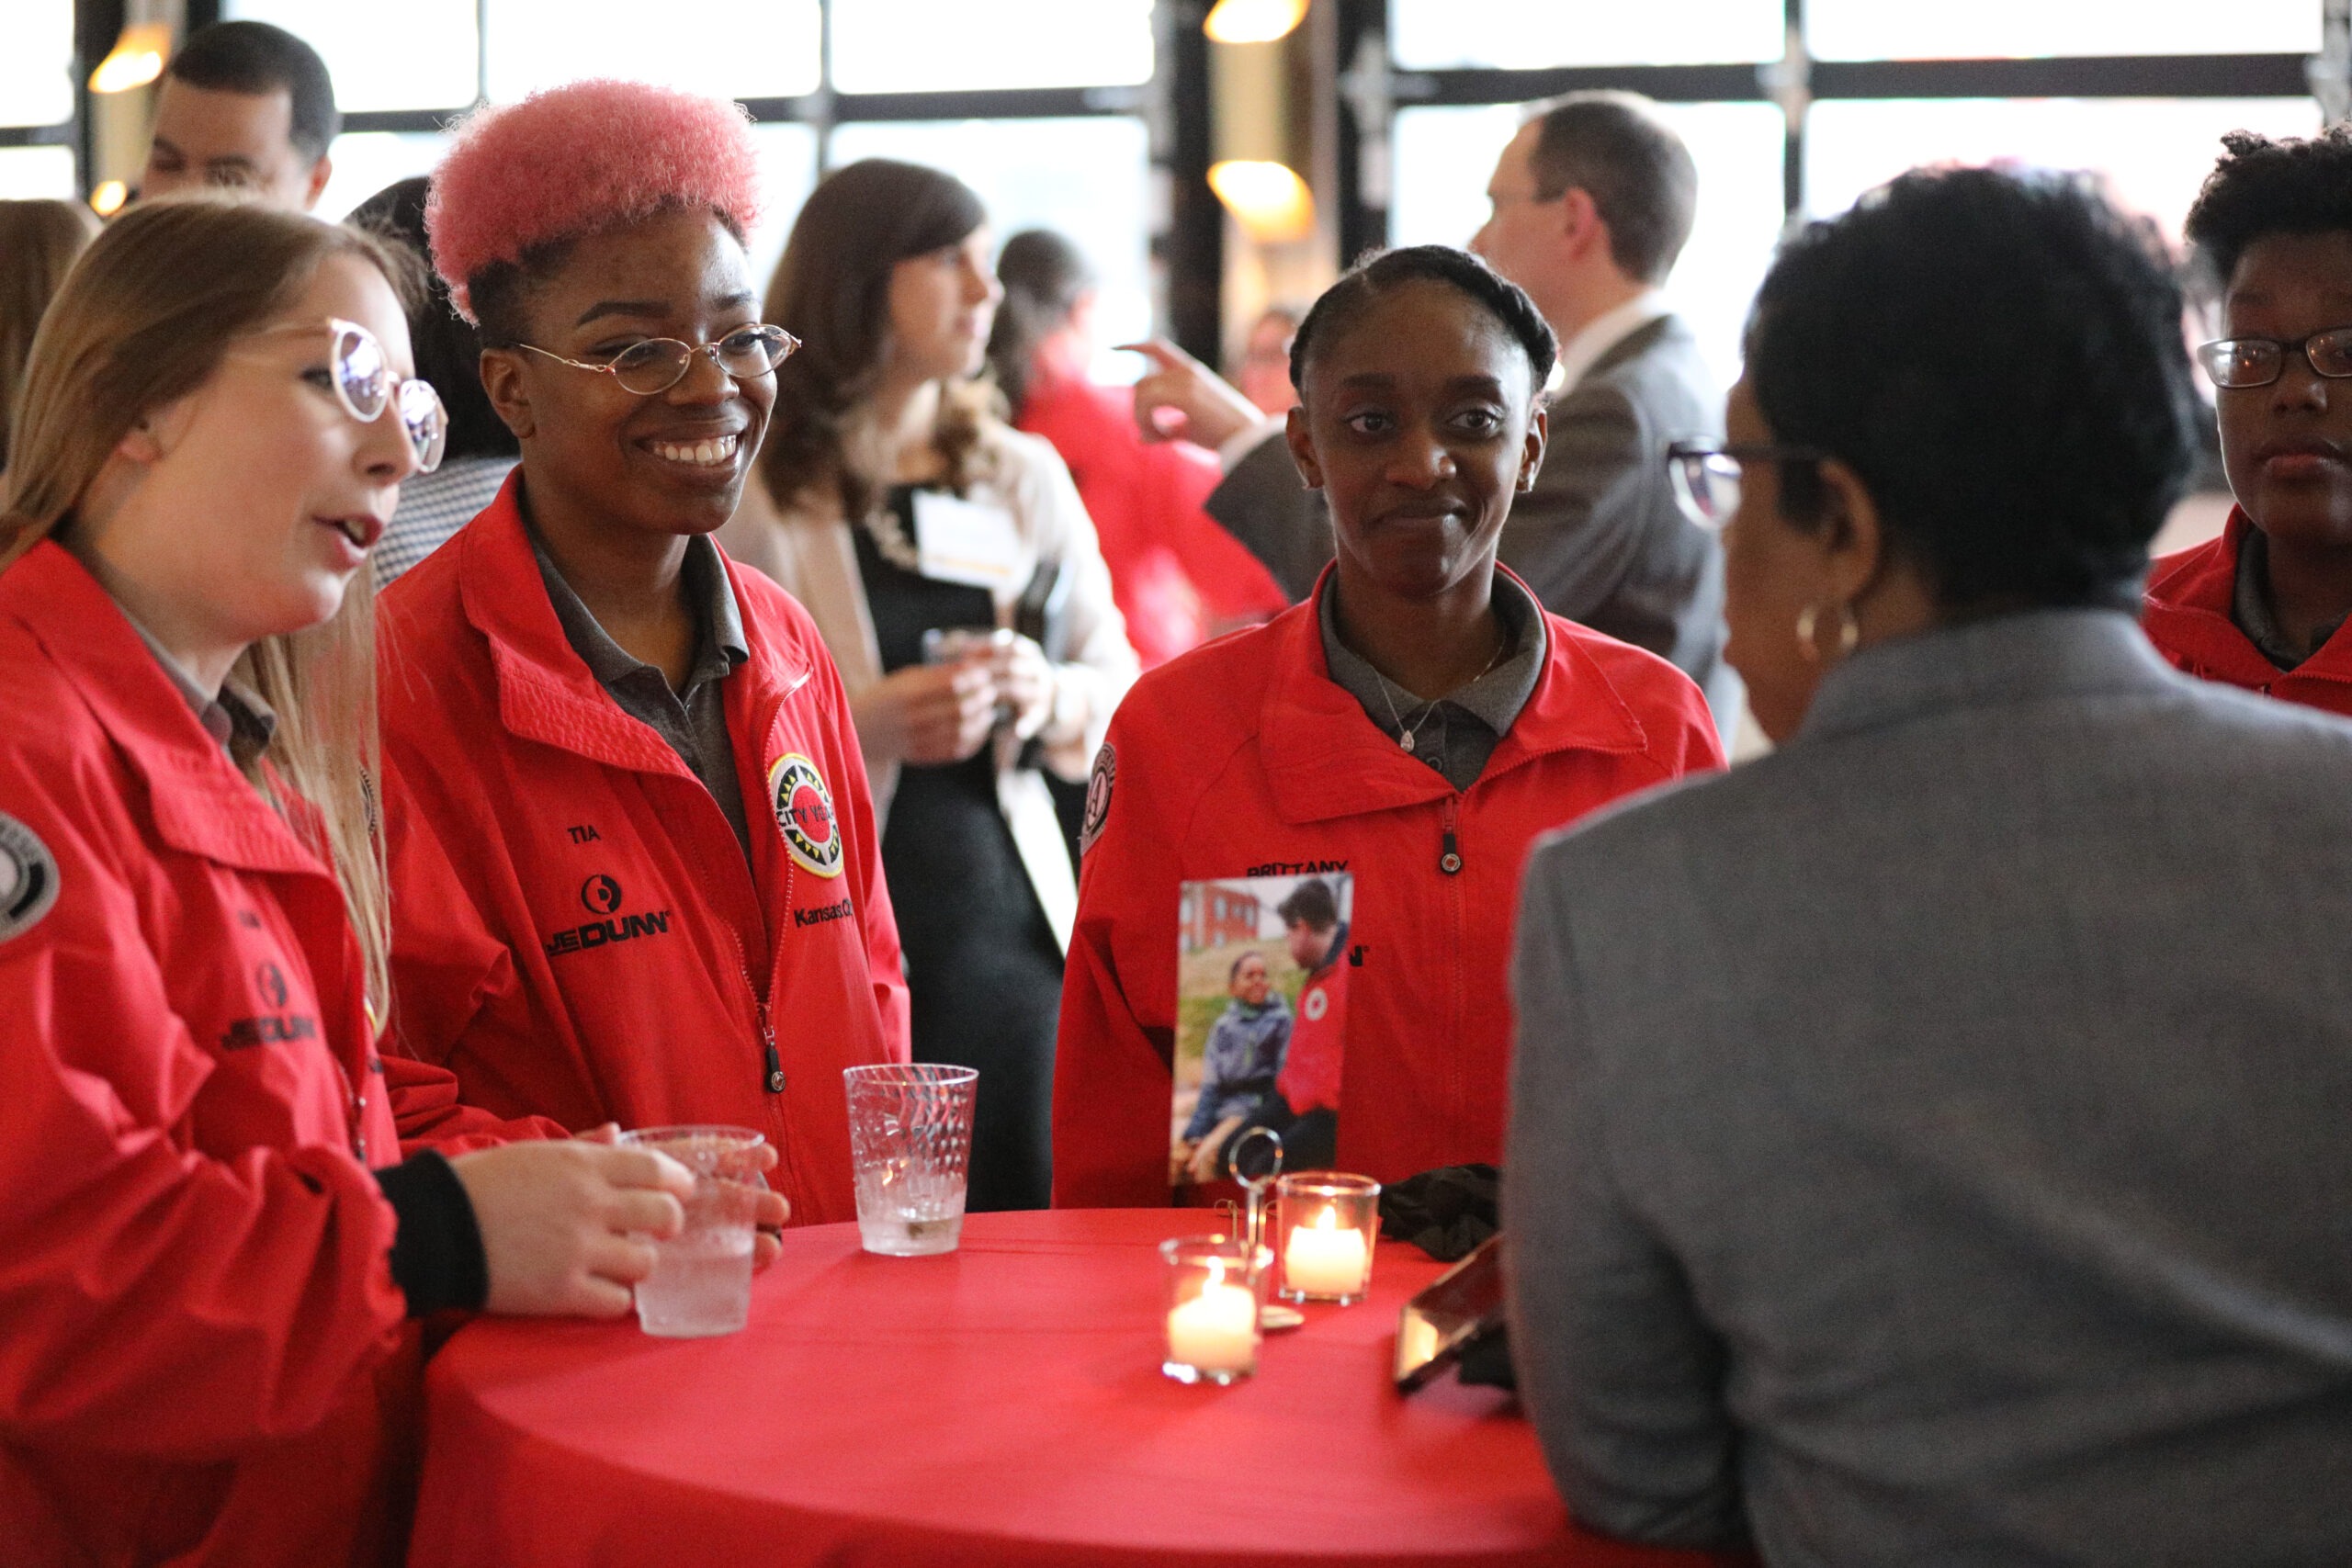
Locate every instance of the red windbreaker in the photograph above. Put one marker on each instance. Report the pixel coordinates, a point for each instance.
(576, 935)
(1175, 572)
(1245, 759)
(202, 1352)
(2186, 615)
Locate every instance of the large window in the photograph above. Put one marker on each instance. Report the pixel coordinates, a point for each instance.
(37, 99)
(1425, 35)
(1795, 108)
(935, 46)
(2025, 30)
(1032, 102)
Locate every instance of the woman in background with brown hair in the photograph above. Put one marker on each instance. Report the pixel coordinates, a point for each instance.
(895, 505)
(38, 240)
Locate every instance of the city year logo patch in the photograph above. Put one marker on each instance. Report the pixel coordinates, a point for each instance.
(1315, 1005)
(28, 878)
(804, 810)
(1098, 797)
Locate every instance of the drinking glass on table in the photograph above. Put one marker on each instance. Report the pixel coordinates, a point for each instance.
(910, 1147)
(701, 1282)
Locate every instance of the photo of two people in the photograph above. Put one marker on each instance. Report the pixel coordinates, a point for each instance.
(1261, 1016)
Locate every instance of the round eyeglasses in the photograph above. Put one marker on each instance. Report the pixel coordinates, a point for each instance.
(1706, 474)
(365, 386)
(361, 378)
(653, 367)
(2239, 362)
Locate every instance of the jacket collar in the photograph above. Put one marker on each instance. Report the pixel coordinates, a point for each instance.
(2004, 661)
(545, 691)
(199, 801)
(1612, 338)
(1324, 759)
(2189, 610)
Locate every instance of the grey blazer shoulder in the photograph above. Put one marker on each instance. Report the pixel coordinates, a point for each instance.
(1929, 1142)
(1601, 539)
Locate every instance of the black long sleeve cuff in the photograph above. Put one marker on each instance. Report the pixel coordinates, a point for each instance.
(438, 1257)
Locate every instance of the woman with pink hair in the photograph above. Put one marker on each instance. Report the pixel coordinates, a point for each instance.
(630, 839)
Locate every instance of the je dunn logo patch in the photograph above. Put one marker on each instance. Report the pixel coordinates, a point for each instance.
(804, 810)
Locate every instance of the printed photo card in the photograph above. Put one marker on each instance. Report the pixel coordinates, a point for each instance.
(1261, 1019)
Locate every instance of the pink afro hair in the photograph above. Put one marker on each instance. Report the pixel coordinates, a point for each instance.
(579, 160)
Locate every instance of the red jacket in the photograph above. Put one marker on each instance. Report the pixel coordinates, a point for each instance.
(202, 1351)
(1316, 1054)
(575, 932)
(2187, 615)
(1175, 573)
(1245, 759)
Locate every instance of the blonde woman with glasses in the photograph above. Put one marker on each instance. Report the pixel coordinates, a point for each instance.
(212, 1255)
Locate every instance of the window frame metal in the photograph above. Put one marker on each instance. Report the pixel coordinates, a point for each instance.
(1796, 82)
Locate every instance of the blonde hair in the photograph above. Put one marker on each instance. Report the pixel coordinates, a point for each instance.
(143, 320)
(40, 239)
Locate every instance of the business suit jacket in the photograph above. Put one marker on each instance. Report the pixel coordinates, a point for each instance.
(1932, 1142)
(1601, 539)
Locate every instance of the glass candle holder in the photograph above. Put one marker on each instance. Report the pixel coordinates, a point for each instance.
(1325, 1225)
(1212, 1310)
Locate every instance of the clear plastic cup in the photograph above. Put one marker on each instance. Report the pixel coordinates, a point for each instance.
(701, 1282)
(910, 1147)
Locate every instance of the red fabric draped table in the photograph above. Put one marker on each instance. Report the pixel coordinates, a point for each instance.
(1001, 1405)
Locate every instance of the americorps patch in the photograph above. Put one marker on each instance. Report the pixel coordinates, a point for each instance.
(28, 878)
(1098, 797)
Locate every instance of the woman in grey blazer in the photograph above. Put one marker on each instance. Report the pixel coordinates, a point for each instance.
(1933, 1141)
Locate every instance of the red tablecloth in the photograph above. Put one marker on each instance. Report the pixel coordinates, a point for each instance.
(1002, 1405)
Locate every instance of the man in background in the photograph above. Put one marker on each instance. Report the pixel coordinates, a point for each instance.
(244, 106)
(1592, 202)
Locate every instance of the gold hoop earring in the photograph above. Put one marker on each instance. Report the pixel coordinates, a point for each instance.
(1850, 632)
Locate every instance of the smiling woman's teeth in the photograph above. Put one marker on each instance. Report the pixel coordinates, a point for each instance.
(703, 452)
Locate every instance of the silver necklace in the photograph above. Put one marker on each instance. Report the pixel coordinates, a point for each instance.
(1404, 741)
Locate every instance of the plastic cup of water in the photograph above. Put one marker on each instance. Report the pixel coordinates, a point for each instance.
(910, 1149)
(701, 1282)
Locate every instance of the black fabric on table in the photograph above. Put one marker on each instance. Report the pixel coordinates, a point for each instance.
(1445, 1211)
(984, 972)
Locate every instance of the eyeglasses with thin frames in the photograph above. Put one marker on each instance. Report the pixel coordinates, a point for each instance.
(653, 367)
(1706, 474)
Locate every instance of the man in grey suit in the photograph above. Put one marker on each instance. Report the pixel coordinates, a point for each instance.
(1592, 201)
(1932, 1142)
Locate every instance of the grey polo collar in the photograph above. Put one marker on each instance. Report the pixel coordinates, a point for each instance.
(2250, 607)
(720, 643)
(236, 718)
(2032, 656)
(1494, 699)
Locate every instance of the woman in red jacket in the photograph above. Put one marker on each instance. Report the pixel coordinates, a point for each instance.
(1306, 746)
(1179, 577)
(631, 843)
(2264, 607)
(203, 1284)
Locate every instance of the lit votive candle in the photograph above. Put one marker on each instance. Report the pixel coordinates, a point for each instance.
(1325, 1225)
(1322, 1259)
(1213, 1321)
